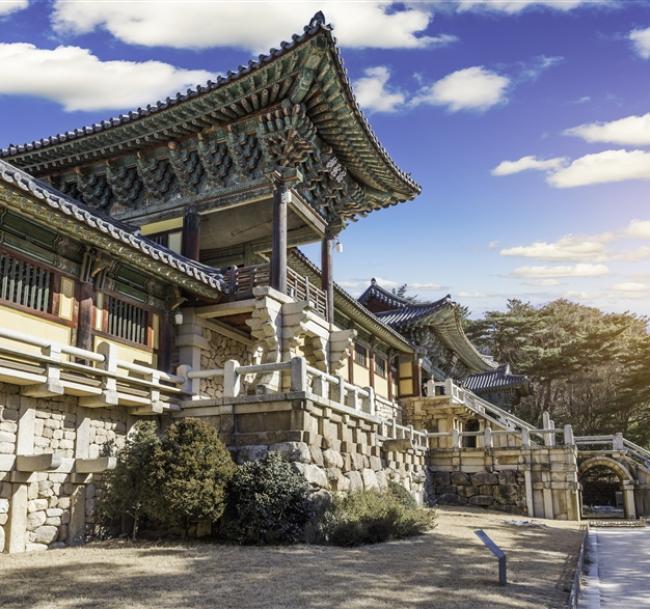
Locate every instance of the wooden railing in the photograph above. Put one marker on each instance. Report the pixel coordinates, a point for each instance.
(242, 280)
(98, 378)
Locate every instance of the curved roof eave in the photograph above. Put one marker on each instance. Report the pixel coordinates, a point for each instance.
(130, 122)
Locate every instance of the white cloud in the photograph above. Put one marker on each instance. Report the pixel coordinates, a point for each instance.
(79, 80)
(526, 163)
(641, 42)
(11, 6)
(517, 6)
(631, 130)
(602, 167)
(569, 248)
(373, 93)
(639, 229)
(475, 88)
(555, 272)
(255, 26)
(631, 287)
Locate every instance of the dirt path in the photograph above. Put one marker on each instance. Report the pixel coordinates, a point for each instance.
(446, 569)
(619, 573)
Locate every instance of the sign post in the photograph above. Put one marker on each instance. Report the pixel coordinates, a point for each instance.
(497, 551)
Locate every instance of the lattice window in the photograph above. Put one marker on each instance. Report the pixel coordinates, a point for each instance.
(380, 366)
(25, 284)
(127, 321)
(361, 355)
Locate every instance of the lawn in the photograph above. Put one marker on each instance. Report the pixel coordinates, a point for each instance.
(446, 569)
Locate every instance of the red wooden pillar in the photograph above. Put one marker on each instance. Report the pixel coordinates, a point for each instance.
(190, 242)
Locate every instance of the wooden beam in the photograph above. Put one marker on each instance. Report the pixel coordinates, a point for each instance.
(225, 309)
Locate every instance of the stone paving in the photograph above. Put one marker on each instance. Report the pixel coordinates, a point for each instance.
(619, 571)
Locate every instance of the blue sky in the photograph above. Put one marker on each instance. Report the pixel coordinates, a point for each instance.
(526, 123)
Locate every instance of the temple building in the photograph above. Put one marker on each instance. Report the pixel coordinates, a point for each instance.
(149, 267)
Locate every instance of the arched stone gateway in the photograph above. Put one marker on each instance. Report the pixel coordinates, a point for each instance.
(626, 478)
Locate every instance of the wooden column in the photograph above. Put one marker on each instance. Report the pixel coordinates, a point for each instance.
(190, 243)
(85, 317)
(165, 340)
(389, 373)
(417, 377)
(327, 285)
(281, 198)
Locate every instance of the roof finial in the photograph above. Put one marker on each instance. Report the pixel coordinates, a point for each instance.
(317, 20)
(373, 281)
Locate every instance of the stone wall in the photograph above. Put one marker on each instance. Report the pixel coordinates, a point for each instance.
(335, 451)
(51, 508)
(503, 490)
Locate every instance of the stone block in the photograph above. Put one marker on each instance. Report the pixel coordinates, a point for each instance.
(6, 448)
(382, 480)
(35, 520)
(507, 477)
(2, 540)
(332, 458)
(459, 478)
(316, 455)
(485, 479)
(375, 463)
(35, 547)
(4, 506)
(36, 505)
(482, 500)
(254, 452)
(313, 474)
(450, 499)
(292, 451)
(356, 482)
(5, 490)
(3, 520)
(370, 481)
(441, 478)
(10, 426)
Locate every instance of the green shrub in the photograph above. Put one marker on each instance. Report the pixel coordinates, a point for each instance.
(129, 492)
(267, 503)
(372, 517)
(398, 492)
(193, 472)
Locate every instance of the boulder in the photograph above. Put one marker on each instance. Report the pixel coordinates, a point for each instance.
(292, 451)
(35, 547)
(459, 478)
(313, 474)
(450, 499)
(45, 534)
(356, 482)
(332, 458)
(485, 478)
(482, 500)
(370, 481)
(382, 480)
(508, 476)
(4, 506)
(316, 455)
(253, 452)
(441, 478)
(36, 505)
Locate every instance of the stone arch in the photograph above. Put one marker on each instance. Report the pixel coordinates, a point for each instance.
(623, 474)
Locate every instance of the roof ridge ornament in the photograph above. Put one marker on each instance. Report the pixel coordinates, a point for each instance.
(318, 20)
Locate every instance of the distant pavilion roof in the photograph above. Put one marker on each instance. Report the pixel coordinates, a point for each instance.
(123, 237)
(442, 315)
(289, 73)
(495, 380)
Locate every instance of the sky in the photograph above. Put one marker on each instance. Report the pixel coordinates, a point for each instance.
(527, 124)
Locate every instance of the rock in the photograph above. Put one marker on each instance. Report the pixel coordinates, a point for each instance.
(35, 520)
(357, 461)
(3, 520)
(2, 540)
(331, 442)
(441, 478)
(459, 478)
(254, 452)
(320, 501)
(4, 506)
(91, 490)
(332, 458)
(292, 451)
(313, 474)
(450, 499)
(506, 491)
(482, 500)
(508, 476)
(64, 503)
(316, 455)
(370, 481)
(484, 478)
(35, 547)
(54, 521)
(45, 534)
(382, 480)
(356, 482)
(7, 436)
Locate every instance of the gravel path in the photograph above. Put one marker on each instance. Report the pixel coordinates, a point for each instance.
(619, 573)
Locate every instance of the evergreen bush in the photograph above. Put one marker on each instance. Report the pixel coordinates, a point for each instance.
(267, 503)
(193, 472)
(398, 492)
(372, 517)
(129, 492)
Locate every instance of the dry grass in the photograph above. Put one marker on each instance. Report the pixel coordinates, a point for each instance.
(446, 569)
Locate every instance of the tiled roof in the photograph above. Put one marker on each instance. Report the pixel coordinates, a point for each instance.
(182, 108)
(375, 292)
(409, 313)
(501, 378)
(116, 230)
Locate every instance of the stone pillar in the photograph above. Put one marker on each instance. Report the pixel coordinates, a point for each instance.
(189, 343)
(281, 198)
(191, 243)
(528, 483)
(628, 500)
(17, 525)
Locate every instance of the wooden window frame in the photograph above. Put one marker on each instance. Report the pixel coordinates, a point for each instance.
(366, 356)
(380, 357)
(55, 291)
